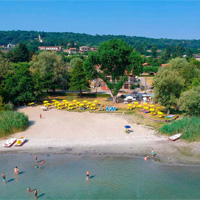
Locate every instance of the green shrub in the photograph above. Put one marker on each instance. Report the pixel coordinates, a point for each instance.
(11, 122)
(9, 106)
(189, 127)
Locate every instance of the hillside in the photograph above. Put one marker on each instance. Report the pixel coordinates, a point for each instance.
(62, 38)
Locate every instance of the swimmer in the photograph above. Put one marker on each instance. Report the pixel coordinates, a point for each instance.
(87, 175)
(35, 158)
(4, 177)
(36, 166)
(16, 170)
(29, 189)
(43, 162)
(146, 157)
(35, 193)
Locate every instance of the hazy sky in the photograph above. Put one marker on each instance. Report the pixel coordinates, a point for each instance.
(157, 19)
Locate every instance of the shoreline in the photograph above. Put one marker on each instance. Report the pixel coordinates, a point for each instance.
(98, 134)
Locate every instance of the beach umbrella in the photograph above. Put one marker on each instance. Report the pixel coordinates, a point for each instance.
(136, 102)
(45, 101)
(151, 105)
(54, 100)
(85, 101)
(144, 104)
(127, 126)
(129, 104)
(160, 113)
(95, 101)
(152, 109)
(158, 108)
(139, 106)
(81, 105)
(146, 108)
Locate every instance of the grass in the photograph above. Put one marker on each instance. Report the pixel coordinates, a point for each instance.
(12, 122)
(189, 127)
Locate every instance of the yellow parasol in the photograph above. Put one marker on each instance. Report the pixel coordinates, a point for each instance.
(152, 110)
(136, 102)
(45, 101)
(144, 104)
(139, 106)
(129, 104)
(146, 108)
(160, 113)
(152, 106)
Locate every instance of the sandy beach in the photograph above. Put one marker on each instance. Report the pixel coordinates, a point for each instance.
(98, 134)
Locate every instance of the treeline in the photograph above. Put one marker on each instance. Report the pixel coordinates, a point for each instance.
(63, 38)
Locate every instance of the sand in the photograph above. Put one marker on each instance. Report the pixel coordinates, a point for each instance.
(99, 134)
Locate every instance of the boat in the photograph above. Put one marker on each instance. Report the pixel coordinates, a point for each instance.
(10, 142)
(20, 141)
(175, 137)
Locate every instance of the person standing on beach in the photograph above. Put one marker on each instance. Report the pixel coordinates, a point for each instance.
(16, 171)
(4, 177)
(152, 153)
(40, 116)
(35, 193)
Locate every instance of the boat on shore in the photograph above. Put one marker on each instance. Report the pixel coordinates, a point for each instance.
(10, 142)
(175, 137)
(20, 141)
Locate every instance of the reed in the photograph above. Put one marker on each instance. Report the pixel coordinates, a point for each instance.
(12, 122)
(189, 127)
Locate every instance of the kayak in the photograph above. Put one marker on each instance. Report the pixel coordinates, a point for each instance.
(20, 141)
(10, 142)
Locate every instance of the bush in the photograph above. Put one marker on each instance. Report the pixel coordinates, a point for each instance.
(12, 122)
(9, 106)
(189, 127)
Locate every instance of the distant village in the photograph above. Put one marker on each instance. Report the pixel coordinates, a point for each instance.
(74, 50)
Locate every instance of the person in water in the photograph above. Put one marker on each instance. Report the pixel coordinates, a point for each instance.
(29, 189)
(35, 193)
(35, 158)
(16, 171)
(4, 177)
(87, 175)
(146, 157)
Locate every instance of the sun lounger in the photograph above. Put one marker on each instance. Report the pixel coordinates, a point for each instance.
(10, 142)
(20, 141)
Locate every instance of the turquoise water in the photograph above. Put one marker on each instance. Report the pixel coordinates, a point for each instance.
(63, 177)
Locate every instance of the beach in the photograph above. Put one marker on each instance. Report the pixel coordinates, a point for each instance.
(82, 133)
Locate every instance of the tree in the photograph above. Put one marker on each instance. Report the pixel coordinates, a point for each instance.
(19, 86)
(168, 85)
(2, 105)
(112, 61)
(189, 101)
(51, 68)
(154, 51)
(21, 53)
(167, 55)
(78, 80)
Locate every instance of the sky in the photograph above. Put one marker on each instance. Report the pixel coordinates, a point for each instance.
(156, 19)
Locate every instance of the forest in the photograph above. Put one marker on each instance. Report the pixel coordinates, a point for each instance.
(63, 38)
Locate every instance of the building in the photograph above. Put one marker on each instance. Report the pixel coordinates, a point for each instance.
(197, 56)
(93, 49)
(10, 45)
(84, 49)
(49, 48)
(163, 65)
(40, 39)
(70, 51)
(146, 64)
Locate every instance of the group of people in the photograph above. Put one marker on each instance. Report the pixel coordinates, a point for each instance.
(152, 155)
(17, 172)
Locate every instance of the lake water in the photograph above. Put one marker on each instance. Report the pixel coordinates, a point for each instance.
(63, 177)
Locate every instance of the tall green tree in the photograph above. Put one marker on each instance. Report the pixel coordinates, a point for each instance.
(18, 84)
(51, 68)
(21, 53)
(78, 80)
(168, 85)
(190, 101)
(154, 52)
(112, 61)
